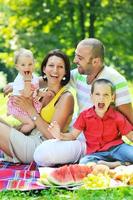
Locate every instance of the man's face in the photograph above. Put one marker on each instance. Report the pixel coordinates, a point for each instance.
(83, 58)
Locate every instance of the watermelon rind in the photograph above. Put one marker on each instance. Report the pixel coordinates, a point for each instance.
(61, 176)
(55, 182)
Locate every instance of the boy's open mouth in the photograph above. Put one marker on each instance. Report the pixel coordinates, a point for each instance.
(101, 105)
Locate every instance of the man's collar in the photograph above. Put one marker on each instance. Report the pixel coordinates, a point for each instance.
(91, 78)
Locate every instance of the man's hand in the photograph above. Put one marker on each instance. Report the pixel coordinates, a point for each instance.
(43, 96)
(54, 129)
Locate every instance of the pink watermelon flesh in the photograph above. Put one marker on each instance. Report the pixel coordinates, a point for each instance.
(79, 171)
(69, 174)
(61, 176)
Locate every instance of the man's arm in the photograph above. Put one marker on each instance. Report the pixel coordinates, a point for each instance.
(127, 110)
(130, 136)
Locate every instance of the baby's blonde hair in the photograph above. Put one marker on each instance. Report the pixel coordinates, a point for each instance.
(22, 52)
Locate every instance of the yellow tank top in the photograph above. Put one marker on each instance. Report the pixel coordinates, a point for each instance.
(47, 112)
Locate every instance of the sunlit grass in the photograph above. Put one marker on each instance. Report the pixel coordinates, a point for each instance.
(3, 111)
(131, 90)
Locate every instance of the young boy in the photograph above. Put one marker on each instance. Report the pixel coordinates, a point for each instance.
(103, 128)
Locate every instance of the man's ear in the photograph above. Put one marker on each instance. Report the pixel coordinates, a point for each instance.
(113, 97)
(95, 60)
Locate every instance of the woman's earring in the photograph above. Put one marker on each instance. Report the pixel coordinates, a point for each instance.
(44, 77)
(64, 78)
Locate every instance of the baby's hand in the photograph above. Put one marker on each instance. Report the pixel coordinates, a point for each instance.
(54, 129)
(27, 76)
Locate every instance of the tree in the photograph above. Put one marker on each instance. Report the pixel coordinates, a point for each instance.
(47, 24)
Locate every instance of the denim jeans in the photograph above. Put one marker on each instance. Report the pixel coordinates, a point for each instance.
(122, 153)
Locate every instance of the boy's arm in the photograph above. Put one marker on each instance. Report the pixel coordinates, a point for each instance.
(54, 129)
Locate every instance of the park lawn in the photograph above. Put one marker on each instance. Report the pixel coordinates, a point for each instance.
(131, 90)
(3, 111)
(52, 194)
(123, 193)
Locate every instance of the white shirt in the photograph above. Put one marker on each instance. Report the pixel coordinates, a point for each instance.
(83, 90)
(18, 83)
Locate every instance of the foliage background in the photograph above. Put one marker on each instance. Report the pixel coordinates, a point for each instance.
(47, 24)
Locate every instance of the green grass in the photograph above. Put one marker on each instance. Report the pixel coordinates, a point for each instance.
(3, 111)
(52, 194)
(131, 90)
(124, 193)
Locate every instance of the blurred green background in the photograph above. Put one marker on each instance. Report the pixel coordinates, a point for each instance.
(47, 24)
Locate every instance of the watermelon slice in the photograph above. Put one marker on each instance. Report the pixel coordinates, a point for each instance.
(69, 174)
(61, 176)
(44, 173)
(79, 171)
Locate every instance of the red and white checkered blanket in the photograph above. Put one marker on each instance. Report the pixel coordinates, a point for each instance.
(19, 177)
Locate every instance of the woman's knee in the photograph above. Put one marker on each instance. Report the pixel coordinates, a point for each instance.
(43, 154)
(53, 152)
(39, 155)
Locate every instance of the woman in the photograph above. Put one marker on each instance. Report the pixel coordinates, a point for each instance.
(19, 147)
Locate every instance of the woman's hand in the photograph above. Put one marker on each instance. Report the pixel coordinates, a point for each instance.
(54, 129)
(25, 103)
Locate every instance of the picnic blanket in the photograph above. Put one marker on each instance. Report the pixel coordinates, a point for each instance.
(19, 177)
(26, 177)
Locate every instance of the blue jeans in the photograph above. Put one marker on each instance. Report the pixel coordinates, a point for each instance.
(122, 153)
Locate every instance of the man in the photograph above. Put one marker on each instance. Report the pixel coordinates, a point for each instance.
(89, 57)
